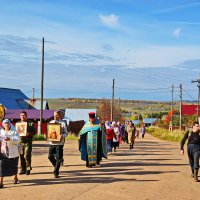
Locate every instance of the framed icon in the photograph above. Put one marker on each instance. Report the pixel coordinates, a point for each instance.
(2, 112)
(53, 132)
(21, 128)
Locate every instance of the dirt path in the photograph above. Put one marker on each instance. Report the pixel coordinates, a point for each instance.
(152, 170)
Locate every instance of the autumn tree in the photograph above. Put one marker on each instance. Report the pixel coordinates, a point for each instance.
(169, 115)
(104, 111)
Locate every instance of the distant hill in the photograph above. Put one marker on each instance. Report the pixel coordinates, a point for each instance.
(138, 106)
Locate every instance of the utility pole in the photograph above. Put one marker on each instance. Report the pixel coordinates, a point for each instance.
(198, 85)
(181, 96)
(33, 97)
(172, 107)
(112, 100)
(119, 103)
(42, 88)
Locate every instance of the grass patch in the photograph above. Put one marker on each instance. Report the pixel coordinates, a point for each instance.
(72, 137)
(39, 137)
(42, 138)
(163, 134)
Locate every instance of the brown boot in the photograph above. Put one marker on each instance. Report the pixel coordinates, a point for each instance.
(196, 175)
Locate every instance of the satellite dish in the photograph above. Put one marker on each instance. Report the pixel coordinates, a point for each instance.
(2, 112)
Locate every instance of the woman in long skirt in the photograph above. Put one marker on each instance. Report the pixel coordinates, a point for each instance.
(9, 154)
(117, 133)
(131, 134)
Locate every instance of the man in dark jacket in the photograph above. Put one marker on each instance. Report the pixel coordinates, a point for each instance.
(193, 148)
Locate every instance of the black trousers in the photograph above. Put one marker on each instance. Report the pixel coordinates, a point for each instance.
(56, 157)
(194, 155)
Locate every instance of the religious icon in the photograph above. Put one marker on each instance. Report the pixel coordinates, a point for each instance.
(2, 112)
(21, 128)
(53, 132)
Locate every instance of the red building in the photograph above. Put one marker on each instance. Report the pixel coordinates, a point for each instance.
(189, 109)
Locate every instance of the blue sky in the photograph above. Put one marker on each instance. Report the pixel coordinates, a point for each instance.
(145, 45)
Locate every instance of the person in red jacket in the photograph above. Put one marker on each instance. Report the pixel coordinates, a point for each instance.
(110, 134)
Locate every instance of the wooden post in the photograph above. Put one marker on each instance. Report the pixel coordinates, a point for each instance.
(42, 88)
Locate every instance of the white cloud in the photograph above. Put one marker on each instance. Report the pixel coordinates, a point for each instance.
(111, 20)
(158, 56)
(177, 32)
(178, 7)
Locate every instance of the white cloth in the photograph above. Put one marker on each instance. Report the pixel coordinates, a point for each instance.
(117, 133)
(12, 145)
(64, 132)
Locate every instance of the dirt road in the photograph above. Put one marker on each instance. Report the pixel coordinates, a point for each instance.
(152, 170)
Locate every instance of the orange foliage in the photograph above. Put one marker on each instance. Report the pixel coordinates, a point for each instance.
(168, 117)
(104, 111)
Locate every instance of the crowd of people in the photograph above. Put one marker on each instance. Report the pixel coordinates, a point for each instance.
(96, 140)
(13, 146)
(100, 139)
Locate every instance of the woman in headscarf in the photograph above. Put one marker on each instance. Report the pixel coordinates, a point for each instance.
(9, 154)
(131, 134)
(110, 134)
(117, 133)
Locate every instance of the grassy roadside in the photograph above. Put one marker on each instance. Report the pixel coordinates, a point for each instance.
(43, 138)
(39, 137)
(163, 134)
(72, 137)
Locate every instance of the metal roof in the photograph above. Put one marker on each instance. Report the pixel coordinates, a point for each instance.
(136, 122)
(9, 98)
(78, 114)
(32, 114)
(35, 104)
(150, 120)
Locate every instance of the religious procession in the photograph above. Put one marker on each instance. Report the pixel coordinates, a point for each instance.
(96, 140)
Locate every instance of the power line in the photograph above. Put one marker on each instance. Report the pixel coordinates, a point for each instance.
(60, 90)
(189, 95)
(143, 89)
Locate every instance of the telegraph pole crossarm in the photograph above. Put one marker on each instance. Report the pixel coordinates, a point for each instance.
(198, 85)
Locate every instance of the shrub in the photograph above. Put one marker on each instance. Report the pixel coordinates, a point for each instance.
(163, 134)
(39, 137)
(72, 137)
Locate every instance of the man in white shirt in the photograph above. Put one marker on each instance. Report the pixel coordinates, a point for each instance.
(56, 147)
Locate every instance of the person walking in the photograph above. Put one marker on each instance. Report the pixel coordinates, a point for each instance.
(193, 148)
(143, 130)
(131, 134)
(125, 135)
(121, 132)
(117, 135)
(9, 154)
(110, 134)
(90, 145)
(104, 139)
(62, 116)
(26, 144)
(56, 147)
